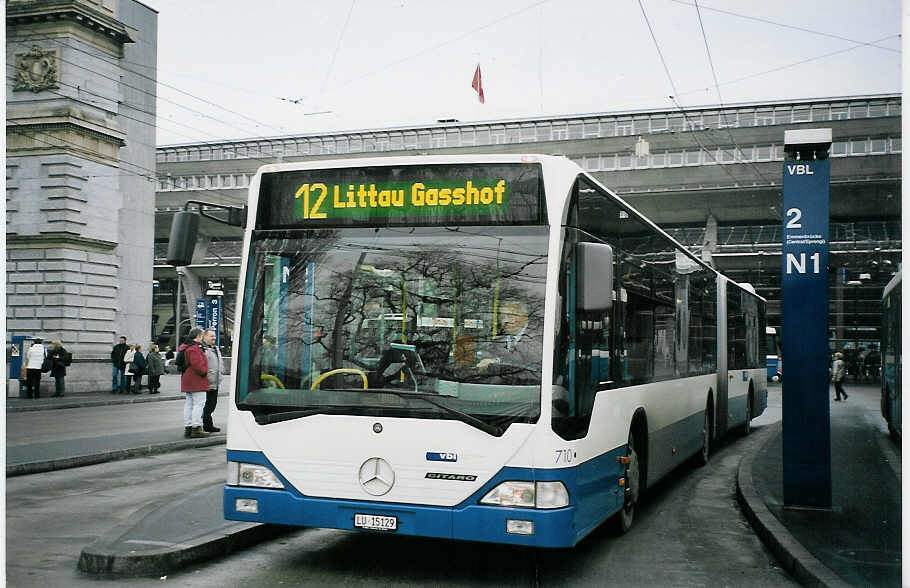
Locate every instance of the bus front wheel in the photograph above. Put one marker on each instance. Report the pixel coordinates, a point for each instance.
(626, 514)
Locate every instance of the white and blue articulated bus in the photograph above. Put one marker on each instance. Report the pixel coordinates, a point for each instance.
(891, 355)
(490, 348)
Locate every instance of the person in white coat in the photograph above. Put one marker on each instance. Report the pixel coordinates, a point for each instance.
(128, 368)
(34, 361)
(213, 355)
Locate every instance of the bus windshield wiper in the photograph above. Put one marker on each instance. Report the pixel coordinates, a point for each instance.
(428, 398)
(277, 417)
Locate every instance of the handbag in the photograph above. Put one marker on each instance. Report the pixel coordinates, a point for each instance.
(48, 364)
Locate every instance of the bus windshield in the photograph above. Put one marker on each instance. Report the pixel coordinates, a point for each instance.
(426, 322)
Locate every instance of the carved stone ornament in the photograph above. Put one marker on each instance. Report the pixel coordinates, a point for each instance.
(36, 70)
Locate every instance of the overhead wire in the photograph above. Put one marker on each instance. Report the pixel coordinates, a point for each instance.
(673, 97)
(437, 46)
(784, 25)
(151, 175)
(153, 125)
(720, 97)
(145, 91)
(160, 83)
(797, 63)
(344, 29)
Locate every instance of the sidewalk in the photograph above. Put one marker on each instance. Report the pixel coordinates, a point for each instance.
(55, 452)
(858, 541)
(170, 390)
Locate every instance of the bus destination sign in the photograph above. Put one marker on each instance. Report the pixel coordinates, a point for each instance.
(312, 201)
(402, 195)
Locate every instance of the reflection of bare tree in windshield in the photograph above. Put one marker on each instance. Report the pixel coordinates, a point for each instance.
(342, 307)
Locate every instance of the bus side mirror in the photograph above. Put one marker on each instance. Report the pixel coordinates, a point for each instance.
(594, 276)
(182, 241)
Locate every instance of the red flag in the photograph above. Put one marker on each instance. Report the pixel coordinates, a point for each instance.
(477, 84)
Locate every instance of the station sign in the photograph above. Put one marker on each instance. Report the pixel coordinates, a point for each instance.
(200, 318)
(804, 324)
(214, 318)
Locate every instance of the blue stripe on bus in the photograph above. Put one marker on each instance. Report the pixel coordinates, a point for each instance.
(594, 495)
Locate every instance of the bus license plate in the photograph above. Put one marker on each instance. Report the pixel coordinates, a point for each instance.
(375, 522)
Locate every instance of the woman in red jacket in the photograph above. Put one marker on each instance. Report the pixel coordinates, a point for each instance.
(194, 382)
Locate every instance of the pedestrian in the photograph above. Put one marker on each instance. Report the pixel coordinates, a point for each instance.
(34, 363)
(128, 368)
(213, 356)
(194, 382)
(155, 369)
(139, 368)
(118, 371)
(838, 370)
(168, 353)
(60, 358)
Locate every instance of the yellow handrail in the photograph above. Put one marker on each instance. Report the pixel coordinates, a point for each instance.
(319, 380)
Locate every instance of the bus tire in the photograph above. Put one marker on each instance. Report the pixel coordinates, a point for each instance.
(633, 482)
(747, 426)
(704, 454)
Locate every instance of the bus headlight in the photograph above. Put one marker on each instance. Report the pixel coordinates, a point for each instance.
(250, 474)
(552, 495)
(528, 494)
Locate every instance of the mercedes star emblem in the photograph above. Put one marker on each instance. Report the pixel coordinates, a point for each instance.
(376, 476)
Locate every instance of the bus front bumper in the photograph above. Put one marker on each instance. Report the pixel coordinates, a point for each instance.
(472, 522)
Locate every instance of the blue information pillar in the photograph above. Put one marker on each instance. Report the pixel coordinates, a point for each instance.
(214, 318)
(201, 316)
(804, 319)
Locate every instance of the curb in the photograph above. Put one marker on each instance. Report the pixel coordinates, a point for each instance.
(97, 560)
(37, 467)
(795, 558)
(101, 559)
(91, 403)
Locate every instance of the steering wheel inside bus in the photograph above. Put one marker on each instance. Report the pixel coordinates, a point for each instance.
(271, 381)
(315, 384)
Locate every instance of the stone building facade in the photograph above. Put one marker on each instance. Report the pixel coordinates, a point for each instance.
(80, 134)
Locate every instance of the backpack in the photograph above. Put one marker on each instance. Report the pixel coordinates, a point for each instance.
(67, 358)
(180, 362)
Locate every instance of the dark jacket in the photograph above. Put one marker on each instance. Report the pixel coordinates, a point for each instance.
(117, 354)
(195, 378)
(58, 355)
(156, 364)
(140, 366)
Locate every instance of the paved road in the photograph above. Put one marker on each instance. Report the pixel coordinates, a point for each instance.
(51, 517)
(689, 533)
(42, 435)
(39, 435)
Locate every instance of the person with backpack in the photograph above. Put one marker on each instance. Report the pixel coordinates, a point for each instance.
(194, 382)
(61, 358)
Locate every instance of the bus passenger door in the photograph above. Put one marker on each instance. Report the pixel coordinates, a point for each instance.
(721, 402)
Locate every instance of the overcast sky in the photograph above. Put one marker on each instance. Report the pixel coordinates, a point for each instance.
(273, 67)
